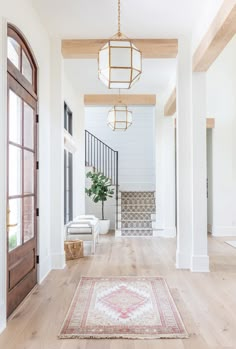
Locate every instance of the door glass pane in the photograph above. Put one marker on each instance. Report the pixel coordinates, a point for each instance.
(15, 115)
(26, 68)
(13, 51)
(14, 177)
(28, 218)
(28, 126)
(14, 223)
(28, 172)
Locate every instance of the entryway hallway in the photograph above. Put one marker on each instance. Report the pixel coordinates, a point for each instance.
(206, 301)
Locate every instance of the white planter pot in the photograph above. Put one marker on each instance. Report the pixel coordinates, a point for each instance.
(104, 226)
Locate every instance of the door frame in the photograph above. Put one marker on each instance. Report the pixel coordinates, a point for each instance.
(28, 93)
(3, 174)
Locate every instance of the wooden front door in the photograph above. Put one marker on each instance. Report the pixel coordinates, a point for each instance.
(22, 183)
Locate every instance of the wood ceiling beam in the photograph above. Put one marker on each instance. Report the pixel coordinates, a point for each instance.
(112, 99)
(210, 123)
(221, 31)
(150, 48)
(170, 107)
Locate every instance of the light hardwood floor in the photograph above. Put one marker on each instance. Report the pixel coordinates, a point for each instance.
(207, 302)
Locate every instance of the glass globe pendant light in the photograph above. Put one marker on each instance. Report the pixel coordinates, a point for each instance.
(119, 61)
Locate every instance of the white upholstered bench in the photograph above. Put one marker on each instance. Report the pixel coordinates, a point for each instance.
(84, 227)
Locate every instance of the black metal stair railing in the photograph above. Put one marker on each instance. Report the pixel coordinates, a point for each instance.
(103, 159)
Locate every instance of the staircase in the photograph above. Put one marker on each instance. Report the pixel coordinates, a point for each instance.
(102, 158)
(137, 213)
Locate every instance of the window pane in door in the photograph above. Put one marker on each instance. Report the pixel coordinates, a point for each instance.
(28, 172)
(14, 223)
(15, 165)
(28, 218)
(15, 117)
(13, 51)
(27, 70)
(28, 126)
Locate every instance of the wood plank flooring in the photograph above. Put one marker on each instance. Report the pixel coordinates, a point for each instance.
(207, 302)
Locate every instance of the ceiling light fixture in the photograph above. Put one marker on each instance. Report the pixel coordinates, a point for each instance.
(119, 117)
(119, 61)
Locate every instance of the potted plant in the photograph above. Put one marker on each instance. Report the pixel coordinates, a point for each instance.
(100, 191)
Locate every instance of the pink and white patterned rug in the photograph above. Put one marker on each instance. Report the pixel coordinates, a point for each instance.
(123, 307)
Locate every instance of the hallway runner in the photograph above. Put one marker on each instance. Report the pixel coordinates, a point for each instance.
(123, 307)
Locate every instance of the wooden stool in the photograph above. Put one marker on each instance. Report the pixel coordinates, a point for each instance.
(74, 249)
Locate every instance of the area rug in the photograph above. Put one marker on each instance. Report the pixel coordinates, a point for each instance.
(231, 243)
(123, 307)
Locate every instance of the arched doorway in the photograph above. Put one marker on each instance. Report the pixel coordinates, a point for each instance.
(22, 170)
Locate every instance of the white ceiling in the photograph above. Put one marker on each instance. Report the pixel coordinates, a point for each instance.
(157, 74)
(139, 19)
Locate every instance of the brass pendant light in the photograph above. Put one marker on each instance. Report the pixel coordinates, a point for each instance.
(119, 61)
(119, 117)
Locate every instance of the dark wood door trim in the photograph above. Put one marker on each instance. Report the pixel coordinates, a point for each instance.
(21, 261)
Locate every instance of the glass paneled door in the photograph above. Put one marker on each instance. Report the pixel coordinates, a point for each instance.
(22, 184)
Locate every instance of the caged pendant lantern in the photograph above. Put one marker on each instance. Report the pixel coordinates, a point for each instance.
(119, 61)
(119, 117)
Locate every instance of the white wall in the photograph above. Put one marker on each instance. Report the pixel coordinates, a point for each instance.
(165, 174)
(135, 146)
(37, 37)
(136, 149)
(207, 16)
(210, 178)
(75, 103)
(221, 105)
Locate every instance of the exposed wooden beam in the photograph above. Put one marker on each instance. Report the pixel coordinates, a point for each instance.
(170, 107)
(210, 123)
(112, 99)
(150, 48)
(221, 31)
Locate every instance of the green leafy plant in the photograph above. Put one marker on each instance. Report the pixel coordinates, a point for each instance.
(100, 189)
(12, 242)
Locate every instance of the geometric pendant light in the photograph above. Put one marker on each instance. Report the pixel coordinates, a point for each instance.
(119, 61)
(119, 118)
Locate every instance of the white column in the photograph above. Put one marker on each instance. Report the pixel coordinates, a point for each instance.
(3, 171)
(200, 259)
(168, 156)
(79, 160)
(158, 154)
(57, 157)
(165, 175)
(184, 154)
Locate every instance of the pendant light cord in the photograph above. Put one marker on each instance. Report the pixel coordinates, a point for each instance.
(119, 32)
(119, 100)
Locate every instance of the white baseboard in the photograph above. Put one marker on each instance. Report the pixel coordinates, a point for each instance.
(44, 269)
(58, 261)
(3, 317)
(200, 264)
(223, 230)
